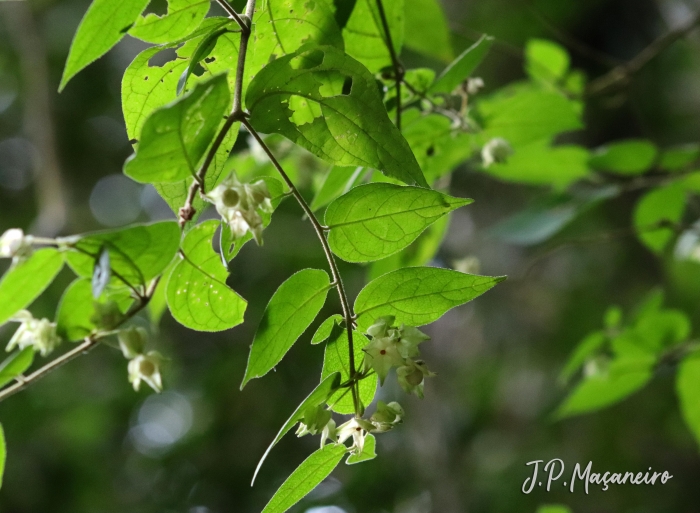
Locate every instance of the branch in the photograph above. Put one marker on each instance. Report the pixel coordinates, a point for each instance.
(399, 71)
(232, 13)
(622, 74)
(337, 281)
(187, 212)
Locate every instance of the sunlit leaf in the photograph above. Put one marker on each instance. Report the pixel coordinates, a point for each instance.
(546, 60)
(463, 66)
(365, 37)
(291, 310)
(182, 18)
(16, 364)
(368, 451)
(324, 331)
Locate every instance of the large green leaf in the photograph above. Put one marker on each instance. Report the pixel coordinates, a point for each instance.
(182, 18)
(318, 397)
(337, 359)
(688, 390)
(23, 282)
(136, 254)
(328, 103)
(17, 363)
(656, 215)
(291, 310)
(376, 220)
(102, 27)
(418, 295)
(306, 477)
(175, 138)
(365, 37)
(197, 294)
(429, 34)
(629, 157)
(463, 66)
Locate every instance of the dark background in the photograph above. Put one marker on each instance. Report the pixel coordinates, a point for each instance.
(82, 441)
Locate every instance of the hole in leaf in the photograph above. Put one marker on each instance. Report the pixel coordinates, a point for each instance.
(198, 70)
(157, 7)
(430, 151)
(162, 57)
(347, 86)
(209, 59)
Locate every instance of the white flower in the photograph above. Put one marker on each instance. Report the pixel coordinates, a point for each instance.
(497, 150)
(146, 367)
(412, 376)
(329, 433)
(386, 417)
(15, 244)
(37, 333)
(474, 85)
(409, 338)
(383, 354)
(357, 429)
(132, 341)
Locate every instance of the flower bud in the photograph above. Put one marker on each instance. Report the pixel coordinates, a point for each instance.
(14, 244)
(497, 150)
(132, 341)
(146, 368)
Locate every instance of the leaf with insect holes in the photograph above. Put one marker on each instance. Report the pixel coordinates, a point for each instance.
(182, 18)
(102, 27)
(175, 138)
(24, 281)
(329, 104)
(319, 396)
(418, 295)
(291, 310)
(376, 220)
(197, 294)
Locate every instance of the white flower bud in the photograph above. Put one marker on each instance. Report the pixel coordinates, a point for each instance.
(497, 150)
(146, 368)
(474, 85)
(14, 244)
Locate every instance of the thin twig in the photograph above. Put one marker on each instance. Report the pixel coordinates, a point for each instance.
(232, 13)
(399, 71)
(318, 228)
(622, 74)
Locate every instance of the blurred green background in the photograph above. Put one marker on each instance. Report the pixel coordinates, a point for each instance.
(82, 441)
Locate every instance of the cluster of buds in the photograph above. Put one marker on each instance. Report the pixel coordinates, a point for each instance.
(393, 346)
(240, 205)
(16, 245)
(37, 333)
(143, 366)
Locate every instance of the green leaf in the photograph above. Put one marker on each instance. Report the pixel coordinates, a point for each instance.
(418, 295)
(623, 377)
(546, 60)
(23, 282)
(158, 303)
(337, 359)
(197, 294)
(3, 453)
(337, 182)
(306, 477)
(368, 451)
(589, 346)
(203, 50)
(182, 18)
(291, 310)
(16, 364)
(329, 104)
(364, 34)
(554, 508)
(679, 157)
(319, 396)
(176, 137)
(324, 331)
(688, 390)
(284, 26)
(376, 220)
(429, 34)
(629, 157)
(102, 27)
(463, 66)
(658, 208)
(75, 317)
(136, 254)
(540, 163)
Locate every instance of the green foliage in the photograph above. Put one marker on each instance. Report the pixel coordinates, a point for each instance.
(182, 18)
(426, 25)
(3, 454)
(24, 281)
(368, 452)
(463, 66)
(545, 60)
(291, 310)
(688, 390)
(102, 27)
(175, 138)
(310, 473)
(197, 294)
(418, 295)
(15, 365)
(323, 332)
(365, 37)
(679, 157)
(657, 214)
(376, 220)
(338, 181)
(553, 508)
(328, 103)
(629, 157)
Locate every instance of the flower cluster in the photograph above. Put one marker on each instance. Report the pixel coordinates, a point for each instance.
(397, 347)
(16, 245)
(241, 205)
(37, 333)
(142, 366)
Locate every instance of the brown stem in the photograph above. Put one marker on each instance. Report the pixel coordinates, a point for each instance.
(232, 13)
(399, 71)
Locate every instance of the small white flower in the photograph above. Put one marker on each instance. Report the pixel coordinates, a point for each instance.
(409, 338)
(15, 244)
(146, 367)
(474, 85)
(356, 429)
(37, 333)
(497, 150)
(386, 417)
(412, 376)
(383, 354)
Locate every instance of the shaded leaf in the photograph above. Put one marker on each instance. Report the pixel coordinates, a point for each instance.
(182, 18)
(656, 215)
(629, 157)
(306, 477)
(329, 104)
(679, 157)
(418, 295)
(197, 294)
(368, 451)
(23, 282)
(291, 310)
(364, 35)
(337, 182)
(688, 391)
(427, 25)
(463, 66)
(376, 220)
(585, 349)
(554, 508)
(16, 364)
(324, 331)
